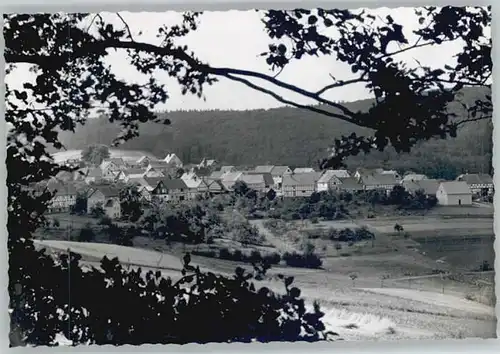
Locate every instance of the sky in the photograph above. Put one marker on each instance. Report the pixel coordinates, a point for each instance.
(235, 39)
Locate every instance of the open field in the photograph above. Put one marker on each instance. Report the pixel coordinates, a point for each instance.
(125, 154)
(355, 311)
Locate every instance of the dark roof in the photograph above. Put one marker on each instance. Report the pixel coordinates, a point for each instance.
(350, 183)
(174, 183)
(429, 186)
(264, 169)
(63, 188)
(279, 170)
(169, 183)
(300, 179)
(153, 181)
(268, 178)
(108, 191)
(227, 168)
(475, 178)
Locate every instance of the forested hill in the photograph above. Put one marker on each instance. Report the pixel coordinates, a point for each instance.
(287, 136)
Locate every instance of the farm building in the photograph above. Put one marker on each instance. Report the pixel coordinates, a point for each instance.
(228, 179)
(479, 183)
(276, 172)
(454, 193)
(328, 181)
(379, 181)
(300, 184)
(413, 177)
(254, 181)
(93, 175)
(173, 160)
(107, 197)
(304, 170)
(168, 189)
(349, 184)
(225, 169)
(64, 198)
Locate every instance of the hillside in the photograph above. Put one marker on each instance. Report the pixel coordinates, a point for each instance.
(287, 136)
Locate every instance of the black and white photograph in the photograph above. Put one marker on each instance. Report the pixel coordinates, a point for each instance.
(238, 176)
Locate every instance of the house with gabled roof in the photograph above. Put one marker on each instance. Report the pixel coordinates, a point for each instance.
(173, 160)
(133, 173)
(455, 193)
(225, 169)
(193, 182)
(300, 184)
(413, 177)
(268, 179)
(216, 187)
(362, 172)
(395, 173)
(228, 179)
(304, 170)
(479, 183)
(276, 172)
(108, 197)
(207, 163)
(328, 181)
(264, 169)
(64, 197)
(349, 184)
(168, 189)
(93, 175)
(254, 181)
(378, 181)
(114, 164)
(429, 186)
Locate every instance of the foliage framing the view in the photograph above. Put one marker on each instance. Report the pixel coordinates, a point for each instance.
(72, 80)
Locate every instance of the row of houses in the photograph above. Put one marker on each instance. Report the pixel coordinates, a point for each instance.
(162, 180)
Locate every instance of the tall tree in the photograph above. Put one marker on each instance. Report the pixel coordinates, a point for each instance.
(94, 154)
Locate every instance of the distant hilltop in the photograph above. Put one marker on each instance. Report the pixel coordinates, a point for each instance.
(126, 155)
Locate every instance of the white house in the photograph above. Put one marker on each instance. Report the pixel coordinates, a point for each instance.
(304, 170)
(108, 197)
(173, 160)
(300, 184)
(454, 193)
(328, 181)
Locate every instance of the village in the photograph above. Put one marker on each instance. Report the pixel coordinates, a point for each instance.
(169, 180)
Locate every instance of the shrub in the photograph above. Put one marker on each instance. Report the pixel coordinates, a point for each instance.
(86, 234)
(338, 246)
(314, 220)
(156, 311)
(105, 220)
(255, 256)
(225, 253)
(205, 253)
(97, 211)
(238, 255)
(302, 261)
(272, 258)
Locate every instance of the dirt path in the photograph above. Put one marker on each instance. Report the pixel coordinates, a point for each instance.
(279, 242)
